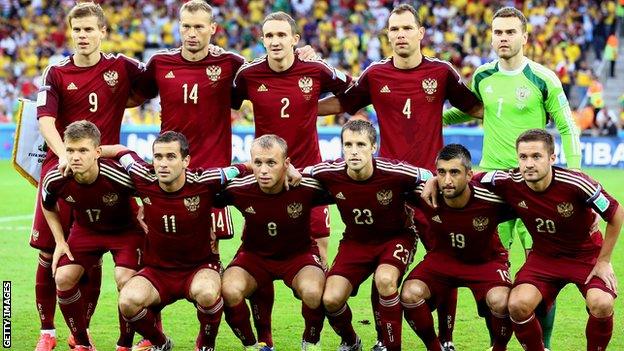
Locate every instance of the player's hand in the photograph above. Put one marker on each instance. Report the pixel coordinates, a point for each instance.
(140, 218)
(63, 168)
(215, 50)
(604, 271)
(293, 177)
(60, 250)
(430, 191)
(307, 53)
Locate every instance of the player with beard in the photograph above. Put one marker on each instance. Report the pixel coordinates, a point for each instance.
(467, 251)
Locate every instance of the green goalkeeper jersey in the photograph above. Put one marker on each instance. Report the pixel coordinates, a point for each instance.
(515, 101)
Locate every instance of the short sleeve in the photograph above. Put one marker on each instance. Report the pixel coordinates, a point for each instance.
(48, 97)
(458, 93)
(357, 96)
(334, 80)
(145, 84)
(239, 90)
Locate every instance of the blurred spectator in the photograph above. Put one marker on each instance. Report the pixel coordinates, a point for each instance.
(610, 53)
(607, 122)
(596, 98)
(349, 34)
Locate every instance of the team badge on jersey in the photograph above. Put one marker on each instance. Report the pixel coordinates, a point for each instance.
(522, 94)
(565, 209)
(191, 203)
(430, 85)
(35, 235)
(480, 223)
(111, 78)
(305, 84)
(384, 197)
(213, 72)
(295, 209)
(110, 199)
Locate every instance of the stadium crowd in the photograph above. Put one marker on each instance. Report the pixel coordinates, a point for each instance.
(348, 33)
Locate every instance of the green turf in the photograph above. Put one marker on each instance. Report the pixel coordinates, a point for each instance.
(18, 263)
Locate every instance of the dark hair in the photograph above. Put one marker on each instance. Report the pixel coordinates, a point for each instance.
(512, 12)
(361, 126)
(170, 137)
(281, 16)
(406, 8)
(197, 5)
(87, 9)
(82, 130)
(452, 151)
(537, 135)
(268, 140)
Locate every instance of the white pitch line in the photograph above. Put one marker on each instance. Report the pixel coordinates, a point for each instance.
(15, 218)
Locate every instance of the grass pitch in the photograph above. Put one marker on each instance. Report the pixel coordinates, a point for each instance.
(18, 263)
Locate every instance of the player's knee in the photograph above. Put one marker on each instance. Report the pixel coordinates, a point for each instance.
(497, 301)
(520, 309)
(207, 297)
(122, 280)
(64, 280)
(600, 305)
(386, 284)
(333, 301)
(232, 295)
(412, 292)
(311, 295)
(130, 302)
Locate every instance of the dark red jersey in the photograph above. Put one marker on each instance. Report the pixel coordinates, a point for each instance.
(195, 100)
(409, 106)
(373, 210)
(560, 218)
(102, 206)
(97, 93)
(286, 103)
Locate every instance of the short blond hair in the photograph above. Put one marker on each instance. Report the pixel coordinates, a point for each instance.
(282, 16)
(87, 9)
(82, 129)
(197, 5)
(512, 12)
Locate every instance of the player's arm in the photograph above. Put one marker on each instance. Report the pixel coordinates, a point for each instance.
(53, 140)
(466, 104)
(457, 116)
(61, 248)
(329, 106)
(559, 109)
(307, 53)
(48, 105)
(336, 82)
(112, 151)
(50, 212)
(608, 208)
